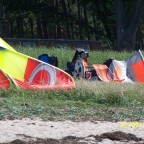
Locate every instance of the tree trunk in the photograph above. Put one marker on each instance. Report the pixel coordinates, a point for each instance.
(39, 30)
(102, 15)
(86, 19)
(31, 27)
(79, 19)
(20, 26)
(1, 18)
(126, 36)
(119, 23)
(11, 30)
(66, 19)
(45, 31)
(58, 26)
(130, 39)
(94, 21)
(70, 19)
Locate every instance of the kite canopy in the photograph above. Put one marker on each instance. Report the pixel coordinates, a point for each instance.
(30, 73)
(135, 67)
(130, 70)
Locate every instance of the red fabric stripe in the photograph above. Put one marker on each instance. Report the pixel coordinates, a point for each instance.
(138, 69)
(4, 81)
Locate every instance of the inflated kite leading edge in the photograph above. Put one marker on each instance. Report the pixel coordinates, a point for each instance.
(30, 73)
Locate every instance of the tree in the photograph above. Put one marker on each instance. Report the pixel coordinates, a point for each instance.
(75, 19)
(127, 28)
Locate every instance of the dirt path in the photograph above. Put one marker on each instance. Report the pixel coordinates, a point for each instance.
(38, 131)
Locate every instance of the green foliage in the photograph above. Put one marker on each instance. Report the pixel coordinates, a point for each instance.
(67, 19)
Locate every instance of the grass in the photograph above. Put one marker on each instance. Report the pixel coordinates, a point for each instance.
(90, 100)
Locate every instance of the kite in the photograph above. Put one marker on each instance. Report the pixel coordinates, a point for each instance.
(30, 73)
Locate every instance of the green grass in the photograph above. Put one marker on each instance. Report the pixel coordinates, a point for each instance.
(65, 54)
(90, 100)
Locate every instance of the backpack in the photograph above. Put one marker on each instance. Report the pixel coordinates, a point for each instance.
(53, 60)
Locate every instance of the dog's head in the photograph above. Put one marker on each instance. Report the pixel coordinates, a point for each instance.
(80, 54)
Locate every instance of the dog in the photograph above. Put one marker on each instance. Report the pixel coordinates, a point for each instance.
(78, 67)
(80, 61)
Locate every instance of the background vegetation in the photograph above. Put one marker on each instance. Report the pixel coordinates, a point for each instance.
(90, 100)
(117, 23)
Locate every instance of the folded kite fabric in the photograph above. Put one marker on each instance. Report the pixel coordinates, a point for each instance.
(130, 70)
(105, 74)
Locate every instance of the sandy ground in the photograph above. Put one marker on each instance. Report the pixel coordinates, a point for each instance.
(38, 131)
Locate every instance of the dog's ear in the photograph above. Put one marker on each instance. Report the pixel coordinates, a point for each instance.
(80, 50)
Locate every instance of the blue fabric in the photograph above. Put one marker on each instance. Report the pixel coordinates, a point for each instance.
(70, 66)
(44, 58)
(49, 59)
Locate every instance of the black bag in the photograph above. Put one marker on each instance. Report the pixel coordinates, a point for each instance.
(53, 60)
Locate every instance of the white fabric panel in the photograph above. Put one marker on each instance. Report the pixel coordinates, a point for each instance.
(122, 66)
